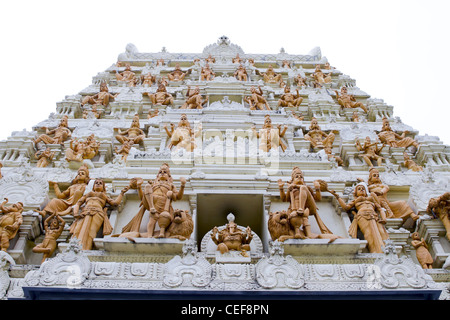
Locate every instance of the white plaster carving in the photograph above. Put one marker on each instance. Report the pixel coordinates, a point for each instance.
(277, 271)
(5, 261)
(190, 270)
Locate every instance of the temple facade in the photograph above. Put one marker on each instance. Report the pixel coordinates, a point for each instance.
(224, 174)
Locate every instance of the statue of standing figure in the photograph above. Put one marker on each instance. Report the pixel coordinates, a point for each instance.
(90, 213)
(269, 136)
(156, 198)
(366, 209)
(302, 205)
(53, 226)
(182, 136)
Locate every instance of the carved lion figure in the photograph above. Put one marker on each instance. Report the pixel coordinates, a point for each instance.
(181, 227)
(281, 228)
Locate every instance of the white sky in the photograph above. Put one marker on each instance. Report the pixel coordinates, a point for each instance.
(396, 50)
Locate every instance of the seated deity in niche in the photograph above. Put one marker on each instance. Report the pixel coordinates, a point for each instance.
(157, 197)
(207, 74)
(90, 214)
(240, 73)
(257, 100)
(231, 238)
(270, 76)
(289, 99)
(148, 79)
(270, 138)
(347, 100)
(62, 204)
(80, 150)
(134, 133)
(300, 81)
(294, 223)
(392, 209)
(182, 137)
(102, 98)
(320, 78)
(60, 134)
(366, 210)
(410, 164)
(44, 157)
(392, 139)
(127, 76)
(161, 97)
(177, 74)
(10, 221)
(439, 207)
(194, 99)
(318, 138)
(370, 151)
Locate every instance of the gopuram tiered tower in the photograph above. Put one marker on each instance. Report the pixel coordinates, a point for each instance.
(224, 173)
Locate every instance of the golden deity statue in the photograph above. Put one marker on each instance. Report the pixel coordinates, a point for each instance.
(60, 134)
(370, 151)
(317, 137)
(161, 97)
(90, 213)
(53, 227)
(194, 99)
(294, 223)
(156, 198)
(347, 100)
(257, 100)
(10, 221)
(182, 136)
(134, 133)
(289, 99)
(392, 139)
(102, 98)
(367, 210)
(269, 136)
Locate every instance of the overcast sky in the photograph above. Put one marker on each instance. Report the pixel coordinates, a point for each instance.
(396, 50)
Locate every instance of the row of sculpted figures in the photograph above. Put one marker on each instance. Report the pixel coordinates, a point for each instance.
(202, 69)
(89, 205)
(183, 136)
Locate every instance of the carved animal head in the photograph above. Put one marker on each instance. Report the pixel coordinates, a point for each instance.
(279, 224)
(182, 225)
